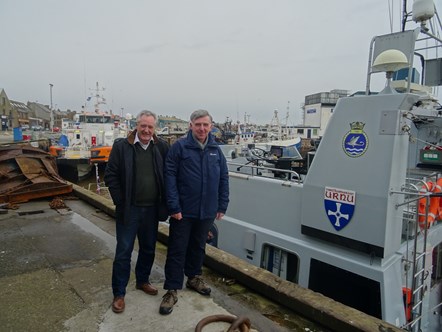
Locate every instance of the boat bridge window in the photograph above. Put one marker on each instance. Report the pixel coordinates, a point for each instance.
(436, 275)
(95, 119)
(280, 262)
(346, 287)
(276, 151)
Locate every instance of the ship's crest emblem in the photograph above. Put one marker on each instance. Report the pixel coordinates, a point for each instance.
(339, 206)
(355, 142)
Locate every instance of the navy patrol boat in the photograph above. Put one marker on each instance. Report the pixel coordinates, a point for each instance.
(364, 225)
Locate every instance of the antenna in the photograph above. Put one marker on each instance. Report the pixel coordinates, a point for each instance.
(99, 99)
(275, 123)
(390, 61)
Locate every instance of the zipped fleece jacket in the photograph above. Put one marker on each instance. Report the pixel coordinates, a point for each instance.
(197, 181)
(120, 170)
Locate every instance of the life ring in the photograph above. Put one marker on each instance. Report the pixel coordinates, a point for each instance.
(433, 209)
(439, 186)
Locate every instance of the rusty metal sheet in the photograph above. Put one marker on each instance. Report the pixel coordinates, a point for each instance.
(7, 167)
(29, 173)
(29, 165)
(26, 194)
(12, 183)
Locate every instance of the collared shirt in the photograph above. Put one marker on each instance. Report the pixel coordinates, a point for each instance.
(144, 146)
(202, 145)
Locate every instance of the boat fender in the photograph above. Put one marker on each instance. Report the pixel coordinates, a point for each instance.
(406, 292)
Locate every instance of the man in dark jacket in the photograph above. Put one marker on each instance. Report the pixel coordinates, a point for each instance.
(134, 176)
(197, 190)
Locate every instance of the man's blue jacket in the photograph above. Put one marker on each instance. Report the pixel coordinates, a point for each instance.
(197, 181)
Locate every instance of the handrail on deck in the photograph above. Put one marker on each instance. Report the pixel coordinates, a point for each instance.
(291, 175)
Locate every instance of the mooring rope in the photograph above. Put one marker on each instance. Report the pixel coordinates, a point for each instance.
(242, 323)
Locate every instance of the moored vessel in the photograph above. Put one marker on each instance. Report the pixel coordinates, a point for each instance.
(364, 225)
(86, 140)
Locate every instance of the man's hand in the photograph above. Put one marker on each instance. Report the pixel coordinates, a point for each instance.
(219, 215)
(177, 216)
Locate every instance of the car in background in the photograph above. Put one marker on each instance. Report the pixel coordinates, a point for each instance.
(25, 127)
(36, 128)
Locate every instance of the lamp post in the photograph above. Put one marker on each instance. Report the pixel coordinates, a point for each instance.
(52, 114)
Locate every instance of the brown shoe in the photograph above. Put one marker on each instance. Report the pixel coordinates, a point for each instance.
(118, 304)
(147, 288)
(169, 300)
(198, 284)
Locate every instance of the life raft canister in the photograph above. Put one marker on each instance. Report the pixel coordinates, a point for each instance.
(434, 210)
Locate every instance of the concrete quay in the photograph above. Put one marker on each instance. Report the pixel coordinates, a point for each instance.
(6, 136)
(55, 271)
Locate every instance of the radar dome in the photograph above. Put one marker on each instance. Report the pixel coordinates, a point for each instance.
(390, 60)
(423, 10)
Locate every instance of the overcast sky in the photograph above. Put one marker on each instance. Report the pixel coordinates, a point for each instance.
(231, 57)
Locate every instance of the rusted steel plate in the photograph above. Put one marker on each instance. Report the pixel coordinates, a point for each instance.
(24, 196)
(28, 173)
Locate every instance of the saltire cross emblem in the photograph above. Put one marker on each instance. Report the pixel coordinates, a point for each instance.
(339, 206)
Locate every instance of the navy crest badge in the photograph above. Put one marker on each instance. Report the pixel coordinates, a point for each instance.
(355, 142)
(339, 206)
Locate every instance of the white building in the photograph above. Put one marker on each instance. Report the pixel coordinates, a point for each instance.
(317, 111)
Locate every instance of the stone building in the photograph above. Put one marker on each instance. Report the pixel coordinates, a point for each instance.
(13, 113)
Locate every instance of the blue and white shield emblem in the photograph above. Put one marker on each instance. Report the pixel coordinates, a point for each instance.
(339, 206)
(355, 142)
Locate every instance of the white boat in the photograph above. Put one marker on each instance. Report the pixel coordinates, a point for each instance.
(363, 226)
(86, 140)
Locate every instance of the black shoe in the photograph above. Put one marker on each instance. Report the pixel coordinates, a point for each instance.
(169, 300)
(197, 284)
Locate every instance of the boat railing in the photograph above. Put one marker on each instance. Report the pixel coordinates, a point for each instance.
(100, 189)
(264, 171)
(416, 210)
(414, 190)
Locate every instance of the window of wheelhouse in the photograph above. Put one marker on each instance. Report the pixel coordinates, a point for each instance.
(280, 262)
(436, 275)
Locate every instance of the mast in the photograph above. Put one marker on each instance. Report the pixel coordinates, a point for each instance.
(405, 15)
(99, 99)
